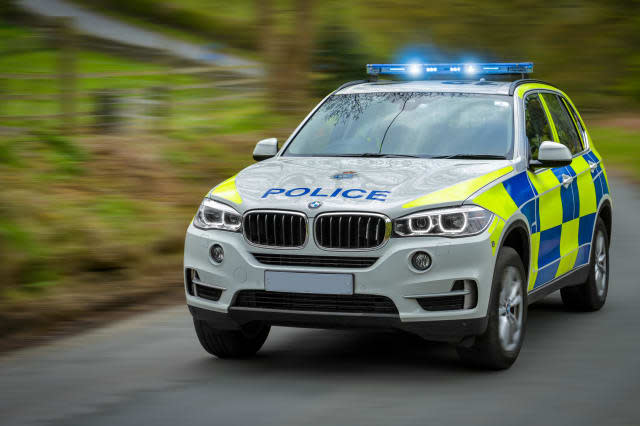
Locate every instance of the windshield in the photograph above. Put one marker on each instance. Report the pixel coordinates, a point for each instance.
(432, 125)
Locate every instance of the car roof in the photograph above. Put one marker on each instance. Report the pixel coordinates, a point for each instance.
(448, 86)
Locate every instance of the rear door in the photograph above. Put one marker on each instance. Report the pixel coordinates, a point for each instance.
(576, 186)
(591, 185)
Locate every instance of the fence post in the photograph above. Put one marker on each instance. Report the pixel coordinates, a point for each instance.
(168, 106)
(107, 111)
(2, 93)
(67, 73)
(158, 98)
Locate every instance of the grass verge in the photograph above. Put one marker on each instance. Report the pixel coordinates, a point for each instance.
(95, 222)
(620, 149)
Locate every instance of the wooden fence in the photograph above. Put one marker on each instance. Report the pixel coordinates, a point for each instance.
(61, 97)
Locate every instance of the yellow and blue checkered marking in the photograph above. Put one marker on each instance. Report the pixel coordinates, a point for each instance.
(598, 175)
(569, 201)
(549, 250)
(561, 233)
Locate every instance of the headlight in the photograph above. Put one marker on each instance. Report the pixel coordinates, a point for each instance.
(454, 222)
(215, 215)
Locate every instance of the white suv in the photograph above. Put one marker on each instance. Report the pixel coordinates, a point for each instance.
(439, 207)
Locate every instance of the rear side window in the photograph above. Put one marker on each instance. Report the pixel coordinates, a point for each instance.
(537, 125)
(566, 129)
(576, 121)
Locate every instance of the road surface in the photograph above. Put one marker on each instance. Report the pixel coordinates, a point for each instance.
(574, 369)
(107, 28)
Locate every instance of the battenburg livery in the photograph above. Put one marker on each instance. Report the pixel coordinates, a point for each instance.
(441, 203)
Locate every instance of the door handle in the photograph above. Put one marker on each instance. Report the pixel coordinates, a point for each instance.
(566, 180)
(592, 165)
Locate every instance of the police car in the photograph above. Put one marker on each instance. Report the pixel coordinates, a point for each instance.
(441, 204)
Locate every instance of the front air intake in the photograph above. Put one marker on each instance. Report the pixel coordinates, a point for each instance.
(463, 295)
(208, 293)
(442, 303)
(338, 303)
(315, 261)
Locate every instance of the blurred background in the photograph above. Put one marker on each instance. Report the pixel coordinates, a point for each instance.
(117, 116)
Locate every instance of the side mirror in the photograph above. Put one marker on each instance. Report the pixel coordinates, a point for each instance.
(265, 148)
(552, 154)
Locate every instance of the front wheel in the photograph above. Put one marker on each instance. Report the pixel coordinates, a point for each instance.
(499, 346)
(241, 343)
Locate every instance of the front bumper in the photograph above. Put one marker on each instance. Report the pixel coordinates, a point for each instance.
(448, 330)
(469, 258)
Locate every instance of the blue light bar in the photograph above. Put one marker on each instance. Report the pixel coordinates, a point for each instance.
(468, 69)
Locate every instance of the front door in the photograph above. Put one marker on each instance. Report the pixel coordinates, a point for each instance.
(551, 197)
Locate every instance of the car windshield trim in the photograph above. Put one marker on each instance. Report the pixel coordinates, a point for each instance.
(363, 155)
(471, 157)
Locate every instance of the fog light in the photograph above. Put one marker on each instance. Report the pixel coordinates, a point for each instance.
(421, 261)
(217, 253)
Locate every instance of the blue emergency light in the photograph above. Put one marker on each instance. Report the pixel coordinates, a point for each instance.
(452, 69)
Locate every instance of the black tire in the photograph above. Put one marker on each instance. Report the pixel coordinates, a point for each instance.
(590, 296)
(241, 343)
(488, 350)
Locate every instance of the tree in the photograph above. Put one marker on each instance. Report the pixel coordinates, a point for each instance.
(286, 50)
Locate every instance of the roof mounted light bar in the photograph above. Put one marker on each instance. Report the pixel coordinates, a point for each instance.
(451, 69)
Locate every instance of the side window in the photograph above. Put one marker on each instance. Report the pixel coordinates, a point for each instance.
(537, 125)
(567, 133)
(576, 122)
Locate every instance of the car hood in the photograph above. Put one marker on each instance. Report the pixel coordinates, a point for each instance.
(388, 185)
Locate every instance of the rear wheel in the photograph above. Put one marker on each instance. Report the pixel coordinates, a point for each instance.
(591, 295)
(241, 343)
(500, 344)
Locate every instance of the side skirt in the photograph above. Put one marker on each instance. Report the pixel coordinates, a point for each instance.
(576, 277)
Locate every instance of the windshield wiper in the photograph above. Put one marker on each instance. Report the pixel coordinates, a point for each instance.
(401, 156)
(378, 155)
(473, 156)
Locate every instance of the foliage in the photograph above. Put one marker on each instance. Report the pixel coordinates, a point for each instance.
(337, 58)
(589, 48)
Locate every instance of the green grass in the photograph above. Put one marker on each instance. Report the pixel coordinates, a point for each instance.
(63, 214)
(619, 148)
(8, 156)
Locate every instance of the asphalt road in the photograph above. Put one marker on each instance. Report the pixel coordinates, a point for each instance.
(574, 369)
(86, 21)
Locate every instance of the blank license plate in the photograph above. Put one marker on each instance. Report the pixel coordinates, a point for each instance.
(307, 282)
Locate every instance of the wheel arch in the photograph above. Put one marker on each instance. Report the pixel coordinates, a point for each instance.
(517, 237)
(605, 212)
